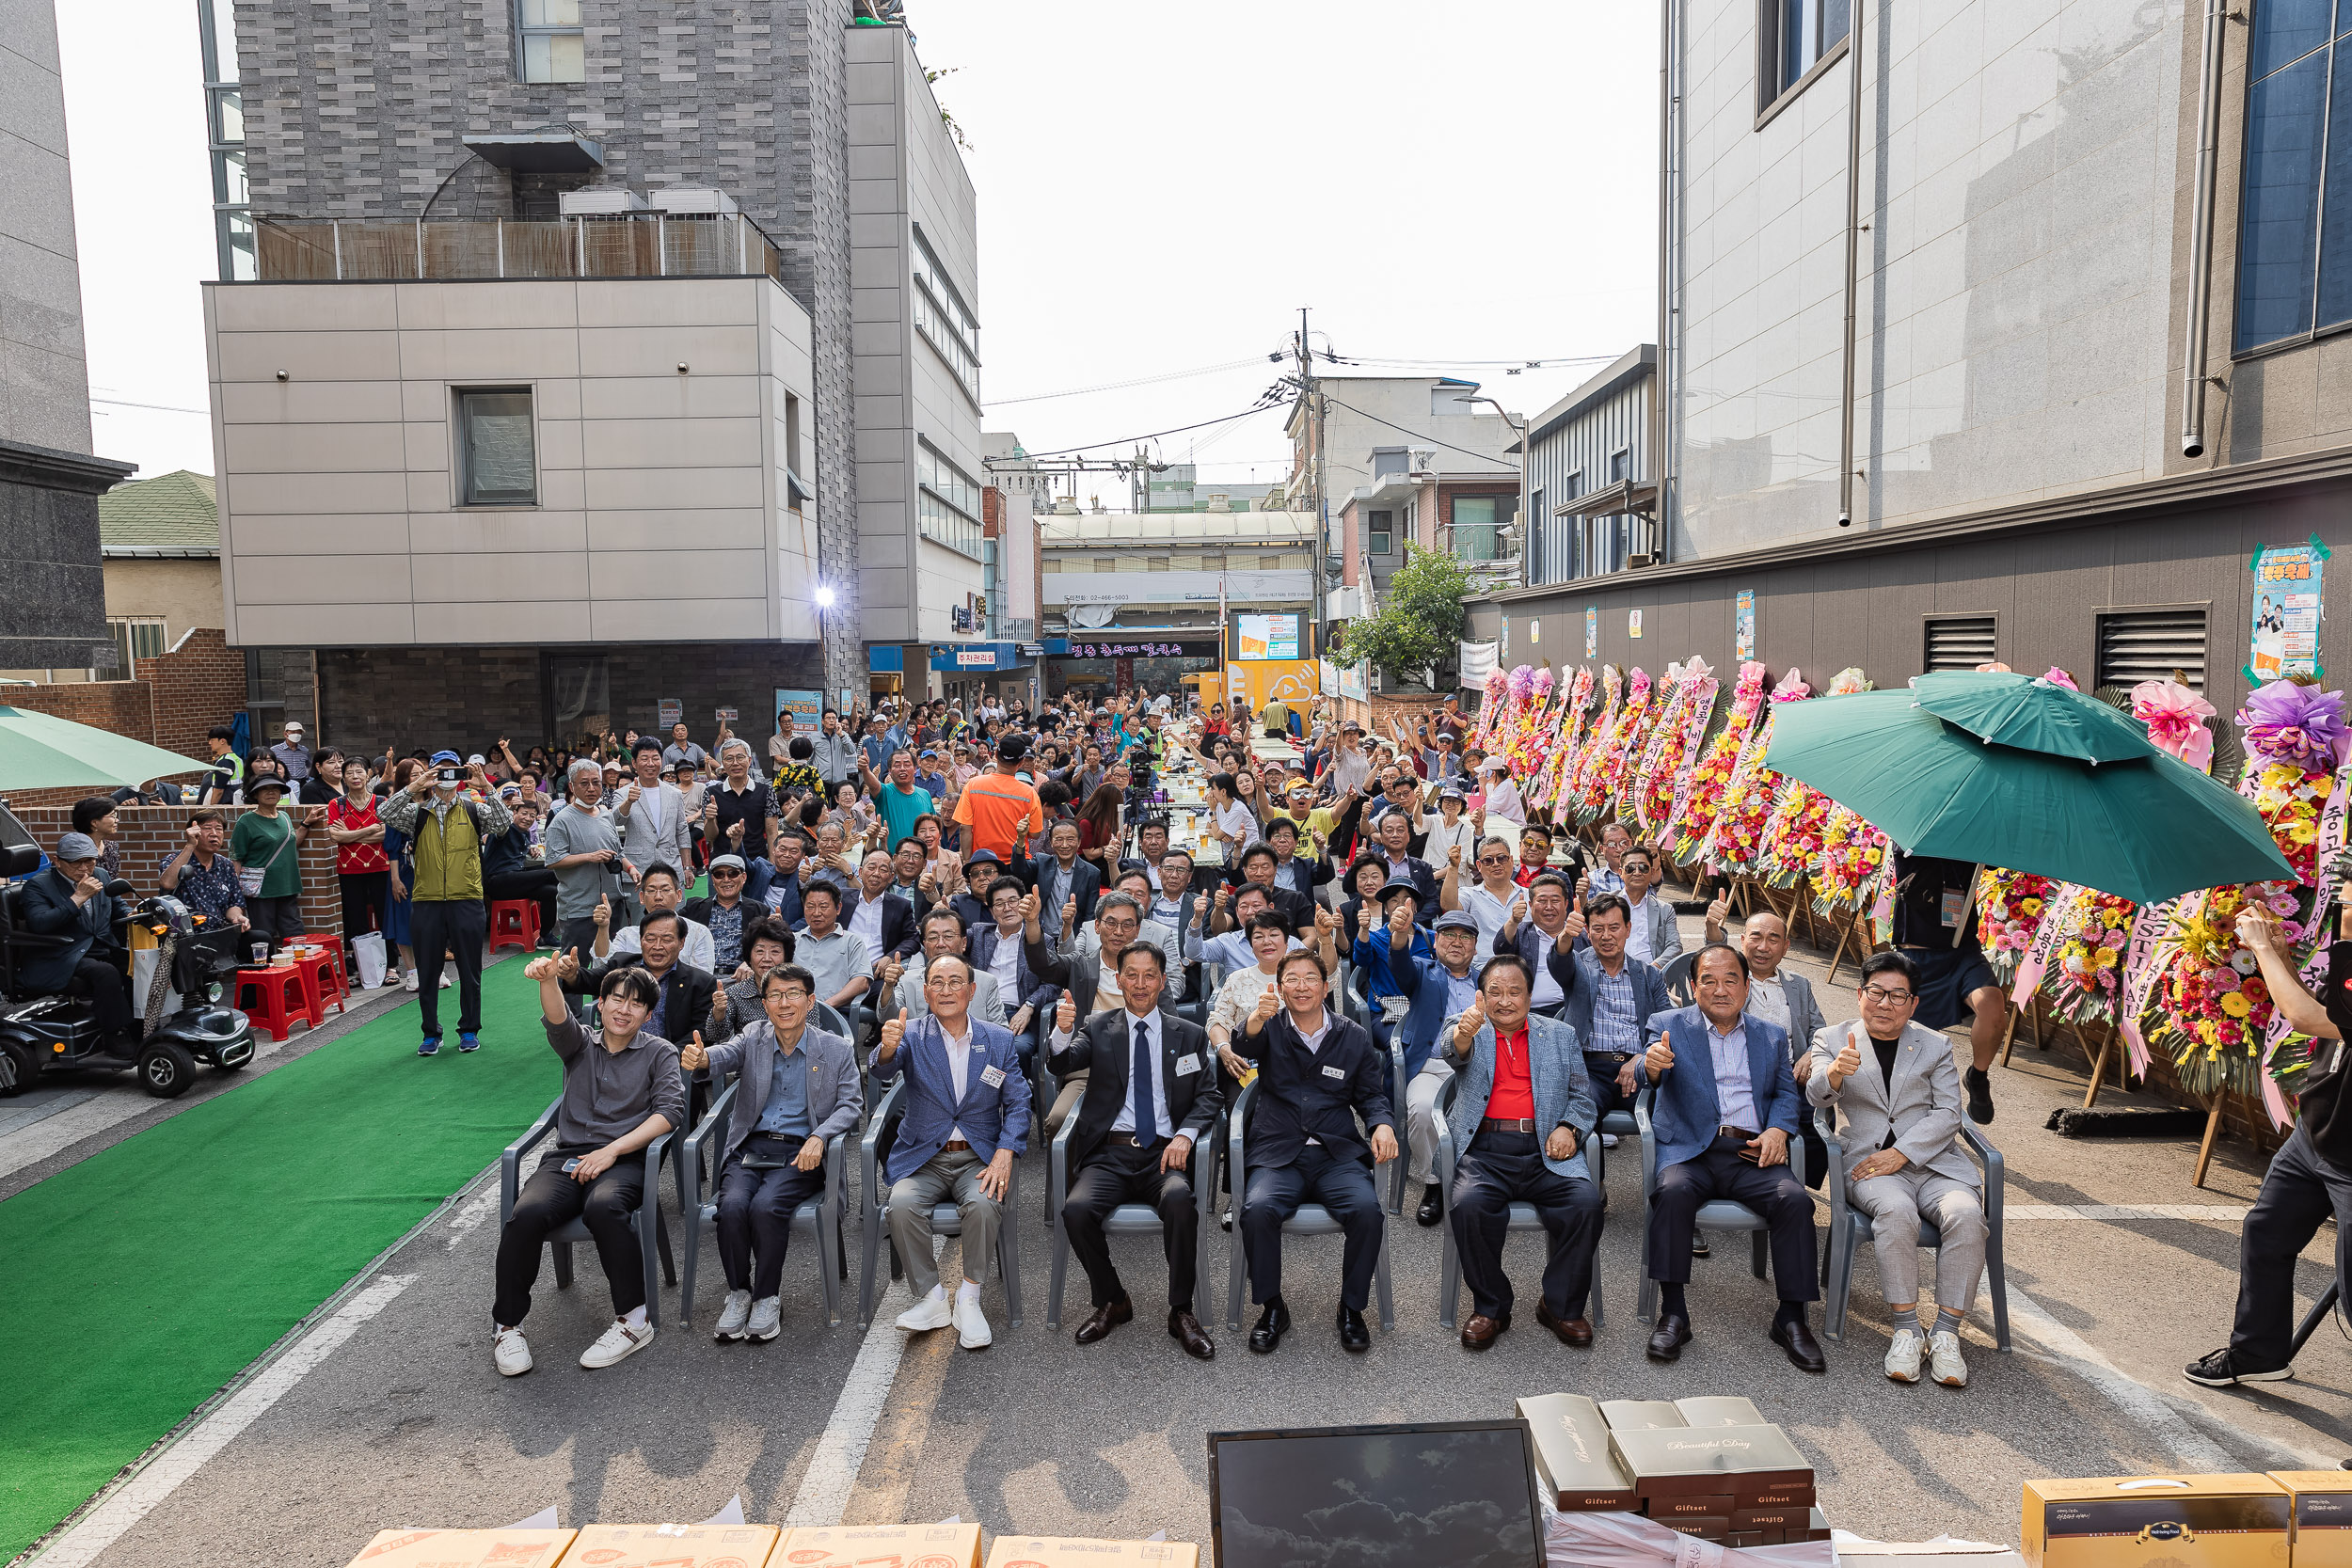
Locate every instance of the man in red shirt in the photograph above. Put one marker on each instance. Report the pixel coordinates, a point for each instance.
(1534, 854)
(1521, 1118)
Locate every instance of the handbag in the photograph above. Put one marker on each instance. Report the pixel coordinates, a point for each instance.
(251, 877)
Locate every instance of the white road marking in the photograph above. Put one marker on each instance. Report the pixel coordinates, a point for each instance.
(484, 1205)
(2111, 1214)
(132, 1501)
(831, 1475)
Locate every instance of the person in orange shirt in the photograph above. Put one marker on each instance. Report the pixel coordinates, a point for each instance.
(998, 811)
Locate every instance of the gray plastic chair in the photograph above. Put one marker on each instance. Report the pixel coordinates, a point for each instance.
(819, 1215)
(1848, 1227)
(1718, 1213)
(1523, 1215)
(1676, 976)
(652, 1226)
(881, 1130)
(1313, 1219)
(1128, 1219)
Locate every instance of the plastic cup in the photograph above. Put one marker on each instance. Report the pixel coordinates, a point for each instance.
(260, 952)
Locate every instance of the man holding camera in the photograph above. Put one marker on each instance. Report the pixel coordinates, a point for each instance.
(445, 909)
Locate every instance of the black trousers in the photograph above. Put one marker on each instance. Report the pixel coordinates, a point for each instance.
(1504, 1167)
(536, 883)
(1600, 1070)
(550, 1200)
(1273, 1194)
(109, 993)
(755, 1209)
(455, 925)
(367, 902)
(2300, 1190)
(1123, 1171)
(1773, 1192)
(276, 921)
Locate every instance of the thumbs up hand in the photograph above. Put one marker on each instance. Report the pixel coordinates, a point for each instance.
(692, 1056)
(1065, 1014)
(1659, 1057)
(892, 1034)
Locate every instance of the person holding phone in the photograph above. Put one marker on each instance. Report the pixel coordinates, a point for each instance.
(1725, 1113)
(446, 915)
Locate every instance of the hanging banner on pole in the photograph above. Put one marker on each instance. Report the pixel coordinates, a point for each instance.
(1478, 661)
(1743, 625)
(1592, 631)
(2286, 611)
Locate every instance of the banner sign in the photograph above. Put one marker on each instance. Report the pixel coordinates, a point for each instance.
(2061, 916)
(1592, 631)
(1141, 650)
(1267, 636)
(808, 709)
(2145, 960)
(1743, 625)
(2286, 611)
(1686, 763)
(1478, 661)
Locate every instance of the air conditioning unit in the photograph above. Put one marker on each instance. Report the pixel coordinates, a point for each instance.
(1639, 558)
(600, 202)
(694, 201)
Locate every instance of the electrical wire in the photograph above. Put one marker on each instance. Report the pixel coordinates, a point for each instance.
(1139, 381)
(1417, 436)
(158, 407)
(1261, 406)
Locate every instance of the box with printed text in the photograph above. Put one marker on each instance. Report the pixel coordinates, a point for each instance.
(908, 1546)
(1057, 1551)
(464, 1548)
(673, 1546)
(2220, 1521)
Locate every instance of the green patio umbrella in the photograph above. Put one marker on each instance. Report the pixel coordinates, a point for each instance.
(2142, 827)
(38, 750)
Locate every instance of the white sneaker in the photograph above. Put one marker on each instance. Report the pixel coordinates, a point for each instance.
(931, 1312)
(971, 1323)
(448, 979)
(511, 1351)
(732, 1316)
(766, 1318)
(1944, 1364)
(408, 981)
(616, 1343)
(1902, 1356)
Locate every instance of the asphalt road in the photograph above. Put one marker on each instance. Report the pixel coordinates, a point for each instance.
(404, 1422)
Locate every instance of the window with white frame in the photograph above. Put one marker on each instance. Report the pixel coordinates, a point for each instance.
(1380, 533)
(943, 318)
(553, 44)
(137, 636)
(948, 503)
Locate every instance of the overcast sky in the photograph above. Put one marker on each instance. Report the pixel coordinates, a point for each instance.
(1161, 185)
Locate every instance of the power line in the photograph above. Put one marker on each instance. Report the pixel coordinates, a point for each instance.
(1261, 406)
(1139, 381)
(158, 407)
(1417, 436)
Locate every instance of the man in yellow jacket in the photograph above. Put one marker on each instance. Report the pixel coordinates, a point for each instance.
(448, 812)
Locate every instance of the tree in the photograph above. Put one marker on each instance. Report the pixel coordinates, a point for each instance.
(1420, 621)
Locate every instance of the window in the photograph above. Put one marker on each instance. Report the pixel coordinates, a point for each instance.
(1960, 641)
(1380, 531)
(137, 636)
(942, 317)
(554, 45)
(1050, 565)
(497, 463)
(2138, 645)
(1212, 560)
(1388, 462)
(1474, 528)
(1156, 564)
(2295, 242)
(1795, 35)
(1107, 563)
(948, 506)
(1620, 463)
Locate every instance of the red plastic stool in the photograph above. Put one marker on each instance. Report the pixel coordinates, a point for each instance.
(514, 923)
(338, 969)
(276, 997)
(320, 986)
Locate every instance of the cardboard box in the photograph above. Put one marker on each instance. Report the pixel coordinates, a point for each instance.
(464, 1548)
(1059, 1551)
(2223, 1521)
(1684, 1505)
(1573, 1464)
(910, 1546)
(1784, 1518)
(1706, 1527)
(1641, 1414)
(1941, 1553)
(1724, 1410)
(1752, 1464)
(673, 1546)
(2323, 1516)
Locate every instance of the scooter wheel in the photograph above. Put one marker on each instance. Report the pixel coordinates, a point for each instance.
(18, 1068)
(165, 1069)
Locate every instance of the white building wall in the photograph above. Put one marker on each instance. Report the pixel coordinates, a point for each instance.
(660, 513)
(2018, 180)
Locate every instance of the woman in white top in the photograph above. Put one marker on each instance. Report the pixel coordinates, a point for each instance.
(1503, 796)
(1453, 830)
(1231, 823)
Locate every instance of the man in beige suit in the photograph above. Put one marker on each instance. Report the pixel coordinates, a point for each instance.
(1899, 1104)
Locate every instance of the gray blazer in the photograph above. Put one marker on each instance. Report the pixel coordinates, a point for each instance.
(1804, 1013)
(1923, 1106)
(672, 845)
(1555, 1063)
(1666, 932)
(836, 1097)
(987, 1004)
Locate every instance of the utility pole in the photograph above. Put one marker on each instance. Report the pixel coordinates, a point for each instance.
(1320, 549)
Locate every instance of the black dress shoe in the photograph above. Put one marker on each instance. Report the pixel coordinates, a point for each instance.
(1272, 1324)
(1797, 1339)
(1698, 1243)
(1432, 1208)
(1667, 1339)
(1355, 1338)
(1185, 1329)
(1106, 1317)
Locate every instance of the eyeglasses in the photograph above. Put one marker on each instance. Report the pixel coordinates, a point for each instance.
(725, 871)
(1879, 993)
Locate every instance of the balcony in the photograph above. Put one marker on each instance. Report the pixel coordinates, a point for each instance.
(633, 244)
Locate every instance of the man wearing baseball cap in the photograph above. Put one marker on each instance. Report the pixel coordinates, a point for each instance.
(449, 832)
(68, 901)
(1436, 986)
(998, 811)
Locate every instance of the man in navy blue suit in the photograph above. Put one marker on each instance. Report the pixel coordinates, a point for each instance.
(967, 1119)
(1724, 1113)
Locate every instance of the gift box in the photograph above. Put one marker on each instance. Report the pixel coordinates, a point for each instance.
(1055, 1551)
(914, 1546)
(673, 1546)
(464, 1548)
(1573, 1461)
(1757, 1466)
(2218, 1521)
(2323, 1516)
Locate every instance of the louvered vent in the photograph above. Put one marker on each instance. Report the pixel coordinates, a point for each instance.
(1960, 641)
(2138, 645)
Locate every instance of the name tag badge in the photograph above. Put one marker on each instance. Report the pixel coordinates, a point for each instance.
(1955, 900)
(1334, 1072)
(993, 1076)
(1188, 1065)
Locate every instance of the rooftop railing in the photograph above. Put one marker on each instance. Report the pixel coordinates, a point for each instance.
(633, 245)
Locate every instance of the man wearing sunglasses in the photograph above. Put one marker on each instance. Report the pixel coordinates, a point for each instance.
(1899, 1102)
(723, 912)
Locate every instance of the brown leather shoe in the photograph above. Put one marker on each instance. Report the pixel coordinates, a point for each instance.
(1187, 1330)
(1576, 1333)
(1106, 1317)
(1482, 1331)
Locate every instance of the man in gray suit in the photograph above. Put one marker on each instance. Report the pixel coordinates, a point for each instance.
(650, 817)
(1899, 1104)
(942, 932)
(798, 1087)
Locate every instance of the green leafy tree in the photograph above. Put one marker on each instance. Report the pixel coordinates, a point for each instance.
(1420, 621)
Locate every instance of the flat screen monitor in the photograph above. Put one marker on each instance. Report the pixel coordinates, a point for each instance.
(1457, 1492)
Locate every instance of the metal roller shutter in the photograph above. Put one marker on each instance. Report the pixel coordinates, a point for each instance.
(2138, 645)
(1960, 641)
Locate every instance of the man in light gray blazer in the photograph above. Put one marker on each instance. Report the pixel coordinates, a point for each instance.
(942, 932)
(797, 1087)
(1900, 1105)
(650, 817)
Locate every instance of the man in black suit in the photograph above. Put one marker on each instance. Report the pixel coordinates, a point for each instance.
(1151, 1096)
(685, 991)
(1317, 1072)
(1393, 838)
(1067, 886)
(1259, 866)
(890, 931)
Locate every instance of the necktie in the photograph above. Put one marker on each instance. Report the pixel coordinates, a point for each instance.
(1140, 1074)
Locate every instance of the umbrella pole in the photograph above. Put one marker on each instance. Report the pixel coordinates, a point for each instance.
(2204, 1149)
(2098, 1063)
